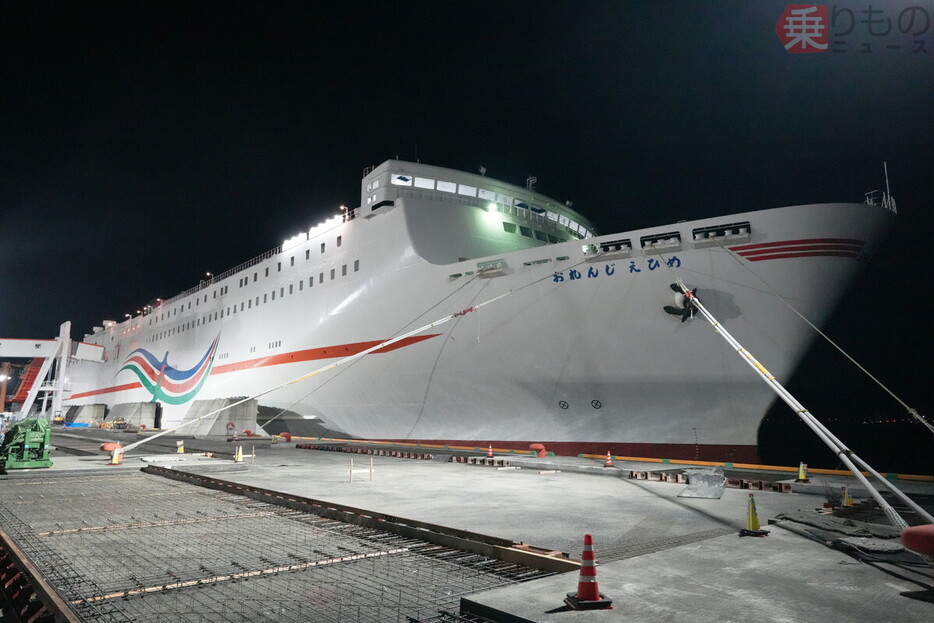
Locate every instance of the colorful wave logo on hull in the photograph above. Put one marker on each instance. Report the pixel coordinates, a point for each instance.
(167, 383)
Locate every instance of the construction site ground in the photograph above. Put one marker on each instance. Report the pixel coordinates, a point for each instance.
(134, 546)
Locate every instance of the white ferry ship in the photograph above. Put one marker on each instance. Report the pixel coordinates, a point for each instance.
(581, 356)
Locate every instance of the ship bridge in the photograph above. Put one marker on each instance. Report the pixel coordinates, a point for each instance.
(453, 216)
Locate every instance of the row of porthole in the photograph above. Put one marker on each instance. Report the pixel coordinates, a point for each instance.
(244, 305)
(596, 404)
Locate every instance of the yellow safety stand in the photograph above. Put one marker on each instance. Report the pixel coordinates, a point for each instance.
(752, 520)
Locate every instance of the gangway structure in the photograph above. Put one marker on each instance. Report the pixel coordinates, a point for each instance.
(46, 374)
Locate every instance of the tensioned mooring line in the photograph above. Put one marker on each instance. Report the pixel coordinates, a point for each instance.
(347, 359)
(911, 411)
(847, 456)
(337, 374)
(330, 366)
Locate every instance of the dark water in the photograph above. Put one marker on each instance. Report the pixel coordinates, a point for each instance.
(884, 323)
(902, 447)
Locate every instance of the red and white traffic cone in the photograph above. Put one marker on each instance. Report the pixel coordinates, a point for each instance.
(489, 453)
(588, 595)
(609, 460)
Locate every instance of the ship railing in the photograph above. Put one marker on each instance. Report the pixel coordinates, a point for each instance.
(348, 216)
(216, 278)
(881, 198)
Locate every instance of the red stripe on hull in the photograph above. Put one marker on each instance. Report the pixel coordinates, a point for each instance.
(106, 390)
(765, 245)
(690, 452)
(779, 255)
(804, 247)
(314, 354)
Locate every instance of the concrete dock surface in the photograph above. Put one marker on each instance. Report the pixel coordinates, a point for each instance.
(660, 557)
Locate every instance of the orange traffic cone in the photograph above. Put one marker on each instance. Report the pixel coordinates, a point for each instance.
(588, 596)
(609, 461)
(489, 453)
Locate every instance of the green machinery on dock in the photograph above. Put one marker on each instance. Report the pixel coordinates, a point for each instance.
(26, 445)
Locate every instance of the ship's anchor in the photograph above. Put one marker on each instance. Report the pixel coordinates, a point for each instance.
(684, 303)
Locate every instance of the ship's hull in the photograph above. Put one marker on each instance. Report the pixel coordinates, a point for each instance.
(580, 356)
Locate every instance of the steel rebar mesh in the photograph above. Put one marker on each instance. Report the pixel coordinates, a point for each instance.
(135, 547)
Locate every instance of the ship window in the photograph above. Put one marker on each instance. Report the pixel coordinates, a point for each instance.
(665, 240)
(322, 247)
(339, 240)
(264, 296)
(356, 265)
(290, 288)
(278, 267)
(249, 304)
(540, 235)
(320, 277)
(311, 281)
(235, 309)
(525, 231)
(214, 294)
(344, 270)
(332, 274)
(189, 304)
(197, 302)
(467, 191)
(267, 272)
(273, 296)
(301, 286)
(401, 180)
(553, 239)
(241, 306)
(509, 228)
(257, 301)
(489, 195)
(281, 292)
(448, 187)
(254, 277)
(307, 253)
(424, 182)
(292, 261)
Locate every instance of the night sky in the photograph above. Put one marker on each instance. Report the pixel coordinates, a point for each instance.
(145, 143)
